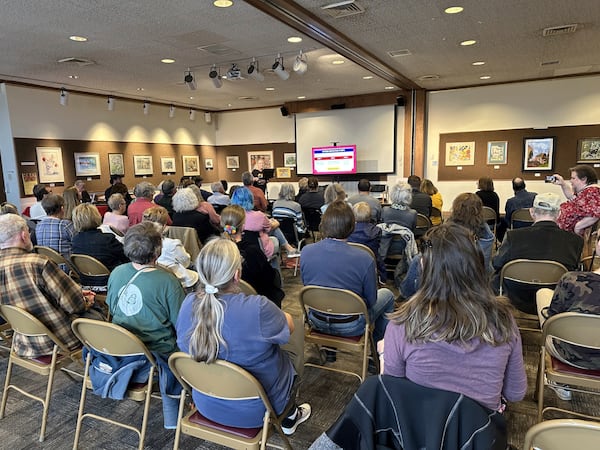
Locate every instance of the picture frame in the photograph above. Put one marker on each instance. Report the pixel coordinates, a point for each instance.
(497, 152)
(289, 160)
(233, 162)
(588, 150)
(460, 153)
(283, 172)
(167, 164)
(87, 164)
(538, 153)
(116, 165)
(50, 164)
(209, 164)
(142, 165)
(265, 155)
(191, 165)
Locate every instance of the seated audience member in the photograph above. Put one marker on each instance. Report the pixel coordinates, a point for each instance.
(287, 208)
(185, 203)
(455, 316)
(145, 299)
(302, 188)
(313, 199)
(165, 198)
(206, 207)
(421, 202)
(34, 283)
(173, 255)
(400, 212)
(144, 193)
(260, 201)
(91, 241)
(364, 195)
(53, 230)
(367, 233)
(198, 182)
(218, 198)
(71, 198)
(116, 217)
(9, 208)
(116, 179)
(225, 186)
(36, 212)
(332, 262)
(522, 199)
(220, 322)
(83, 195)
(543, 240)
(489, 198)
(429, 188)
(333, 192)
(256, 269)
(582, 208)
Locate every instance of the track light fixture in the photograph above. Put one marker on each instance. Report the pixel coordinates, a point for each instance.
(215, 77)
(300, 64)
(189, 80)
(254, 72)
(64, 97)
(171, 111)
(146, 108)
(279, 69)
(234, 73)
(110, 104)
(192, 114)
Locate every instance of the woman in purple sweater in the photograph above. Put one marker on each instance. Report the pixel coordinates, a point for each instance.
(454, 334)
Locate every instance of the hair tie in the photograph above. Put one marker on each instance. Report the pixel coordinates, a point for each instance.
(210, 289)
(230, 229)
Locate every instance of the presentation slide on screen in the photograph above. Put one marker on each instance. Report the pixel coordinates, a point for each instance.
(333, 160)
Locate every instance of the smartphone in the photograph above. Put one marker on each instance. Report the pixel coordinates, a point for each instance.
(550, 179)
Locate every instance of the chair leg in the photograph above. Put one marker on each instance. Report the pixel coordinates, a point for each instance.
(540, 385)
(82, 401)
(6, 384)
(46, 402)
(179, 420)
(146, 408)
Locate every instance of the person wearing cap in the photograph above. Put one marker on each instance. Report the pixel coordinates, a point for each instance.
(36, 212)
(165, 198)
(543, 240)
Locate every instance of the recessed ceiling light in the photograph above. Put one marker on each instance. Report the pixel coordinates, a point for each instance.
(389, 88)
(478, 63)
(468, 42)
(78, 38)
(485, 77)
(294, 39)
(167, 60)
(301, 97)
(270, 89)
(368, 77)
(454, 10)
(140, 89)
(73, 77)
(222, 3)
(191, 98)
(337, 62)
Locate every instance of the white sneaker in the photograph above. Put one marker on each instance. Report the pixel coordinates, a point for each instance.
(302, 414)
(293, 254)
(562, 393)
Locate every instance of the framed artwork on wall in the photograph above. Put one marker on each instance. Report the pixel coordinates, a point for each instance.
(588, 150)
(87, 164)
(266, 156)
(209, 164)
(191, 165)
(167, 164)
(233, 162)
(50, 164)
(538, 153)
(289, 160)
(116, 166)
(142, 165)
(460, 153)
(497, 152)
(283, 172)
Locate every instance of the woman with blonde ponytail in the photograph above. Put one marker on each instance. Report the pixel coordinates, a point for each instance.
(220, 322)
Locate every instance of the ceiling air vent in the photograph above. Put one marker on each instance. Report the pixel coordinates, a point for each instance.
(343, 9)
(429, 77)
(247, 98)
(561, 29)
(549, 63)
(397, 53)
(219, 50)
(79, 61)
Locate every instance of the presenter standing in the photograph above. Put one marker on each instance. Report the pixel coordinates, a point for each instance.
(260, 181)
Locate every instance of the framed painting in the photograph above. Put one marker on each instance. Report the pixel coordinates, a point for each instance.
(116, 166)
(167, 164)
(233, 162)
(264, 157)
(284, 172)
(50, 164)
(460, 153)
(289, 160)
(191, 165)
(497, 152)
(209, 164)
(87, 164)
(538, 153)
(142, 165)
(588, 150)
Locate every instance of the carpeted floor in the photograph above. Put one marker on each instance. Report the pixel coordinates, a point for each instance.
(326, 391)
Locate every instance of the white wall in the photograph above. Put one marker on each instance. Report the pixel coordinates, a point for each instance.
(539, 104)
(257, 126)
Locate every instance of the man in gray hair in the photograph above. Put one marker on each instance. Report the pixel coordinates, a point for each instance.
(218, 198)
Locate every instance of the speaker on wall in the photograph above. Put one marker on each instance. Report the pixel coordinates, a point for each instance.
(400, 100)
(338, 106)
(284, 111)
(207, 117)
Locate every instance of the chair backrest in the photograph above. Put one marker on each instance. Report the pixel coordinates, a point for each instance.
(88, 265)
(246, 288)
(530, 271)
(288, 228)
(590, 263)
(188, 237)
(576, 328)
(333, 301)
(559, 434)
(51, 254)
(489, 214)
(364, 248)
(423, 222)
(312, 217)
(109, 338)
(435, 212)
(522, 216)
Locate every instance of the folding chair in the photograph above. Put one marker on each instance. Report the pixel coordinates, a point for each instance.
(246, 288)
(489, 215)
(590, 263)
(559, 434)
(521, 216)
(423, 224)
(189, 239)
(436, 213)
(337, 302)
(364, 248)
(223, 380)
(26, 324)
(111, 339)
(57, 258)
(312, 218)
(289, 230)
(572, 328)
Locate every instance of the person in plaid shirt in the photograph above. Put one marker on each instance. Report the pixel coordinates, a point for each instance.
(36, 284)
(54, 231)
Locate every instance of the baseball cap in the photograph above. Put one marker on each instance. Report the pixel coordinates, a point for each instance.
(547, 201)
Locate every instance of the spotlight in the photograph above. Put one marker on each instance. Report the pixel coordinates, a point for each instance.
(146, 108)
(279, 69)
(300, 64)
(190, 80)
(192, 115)
(64, 97)
(254, 72)
(234, 73)
(215, 77)
(110, 103)
(171, 112)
